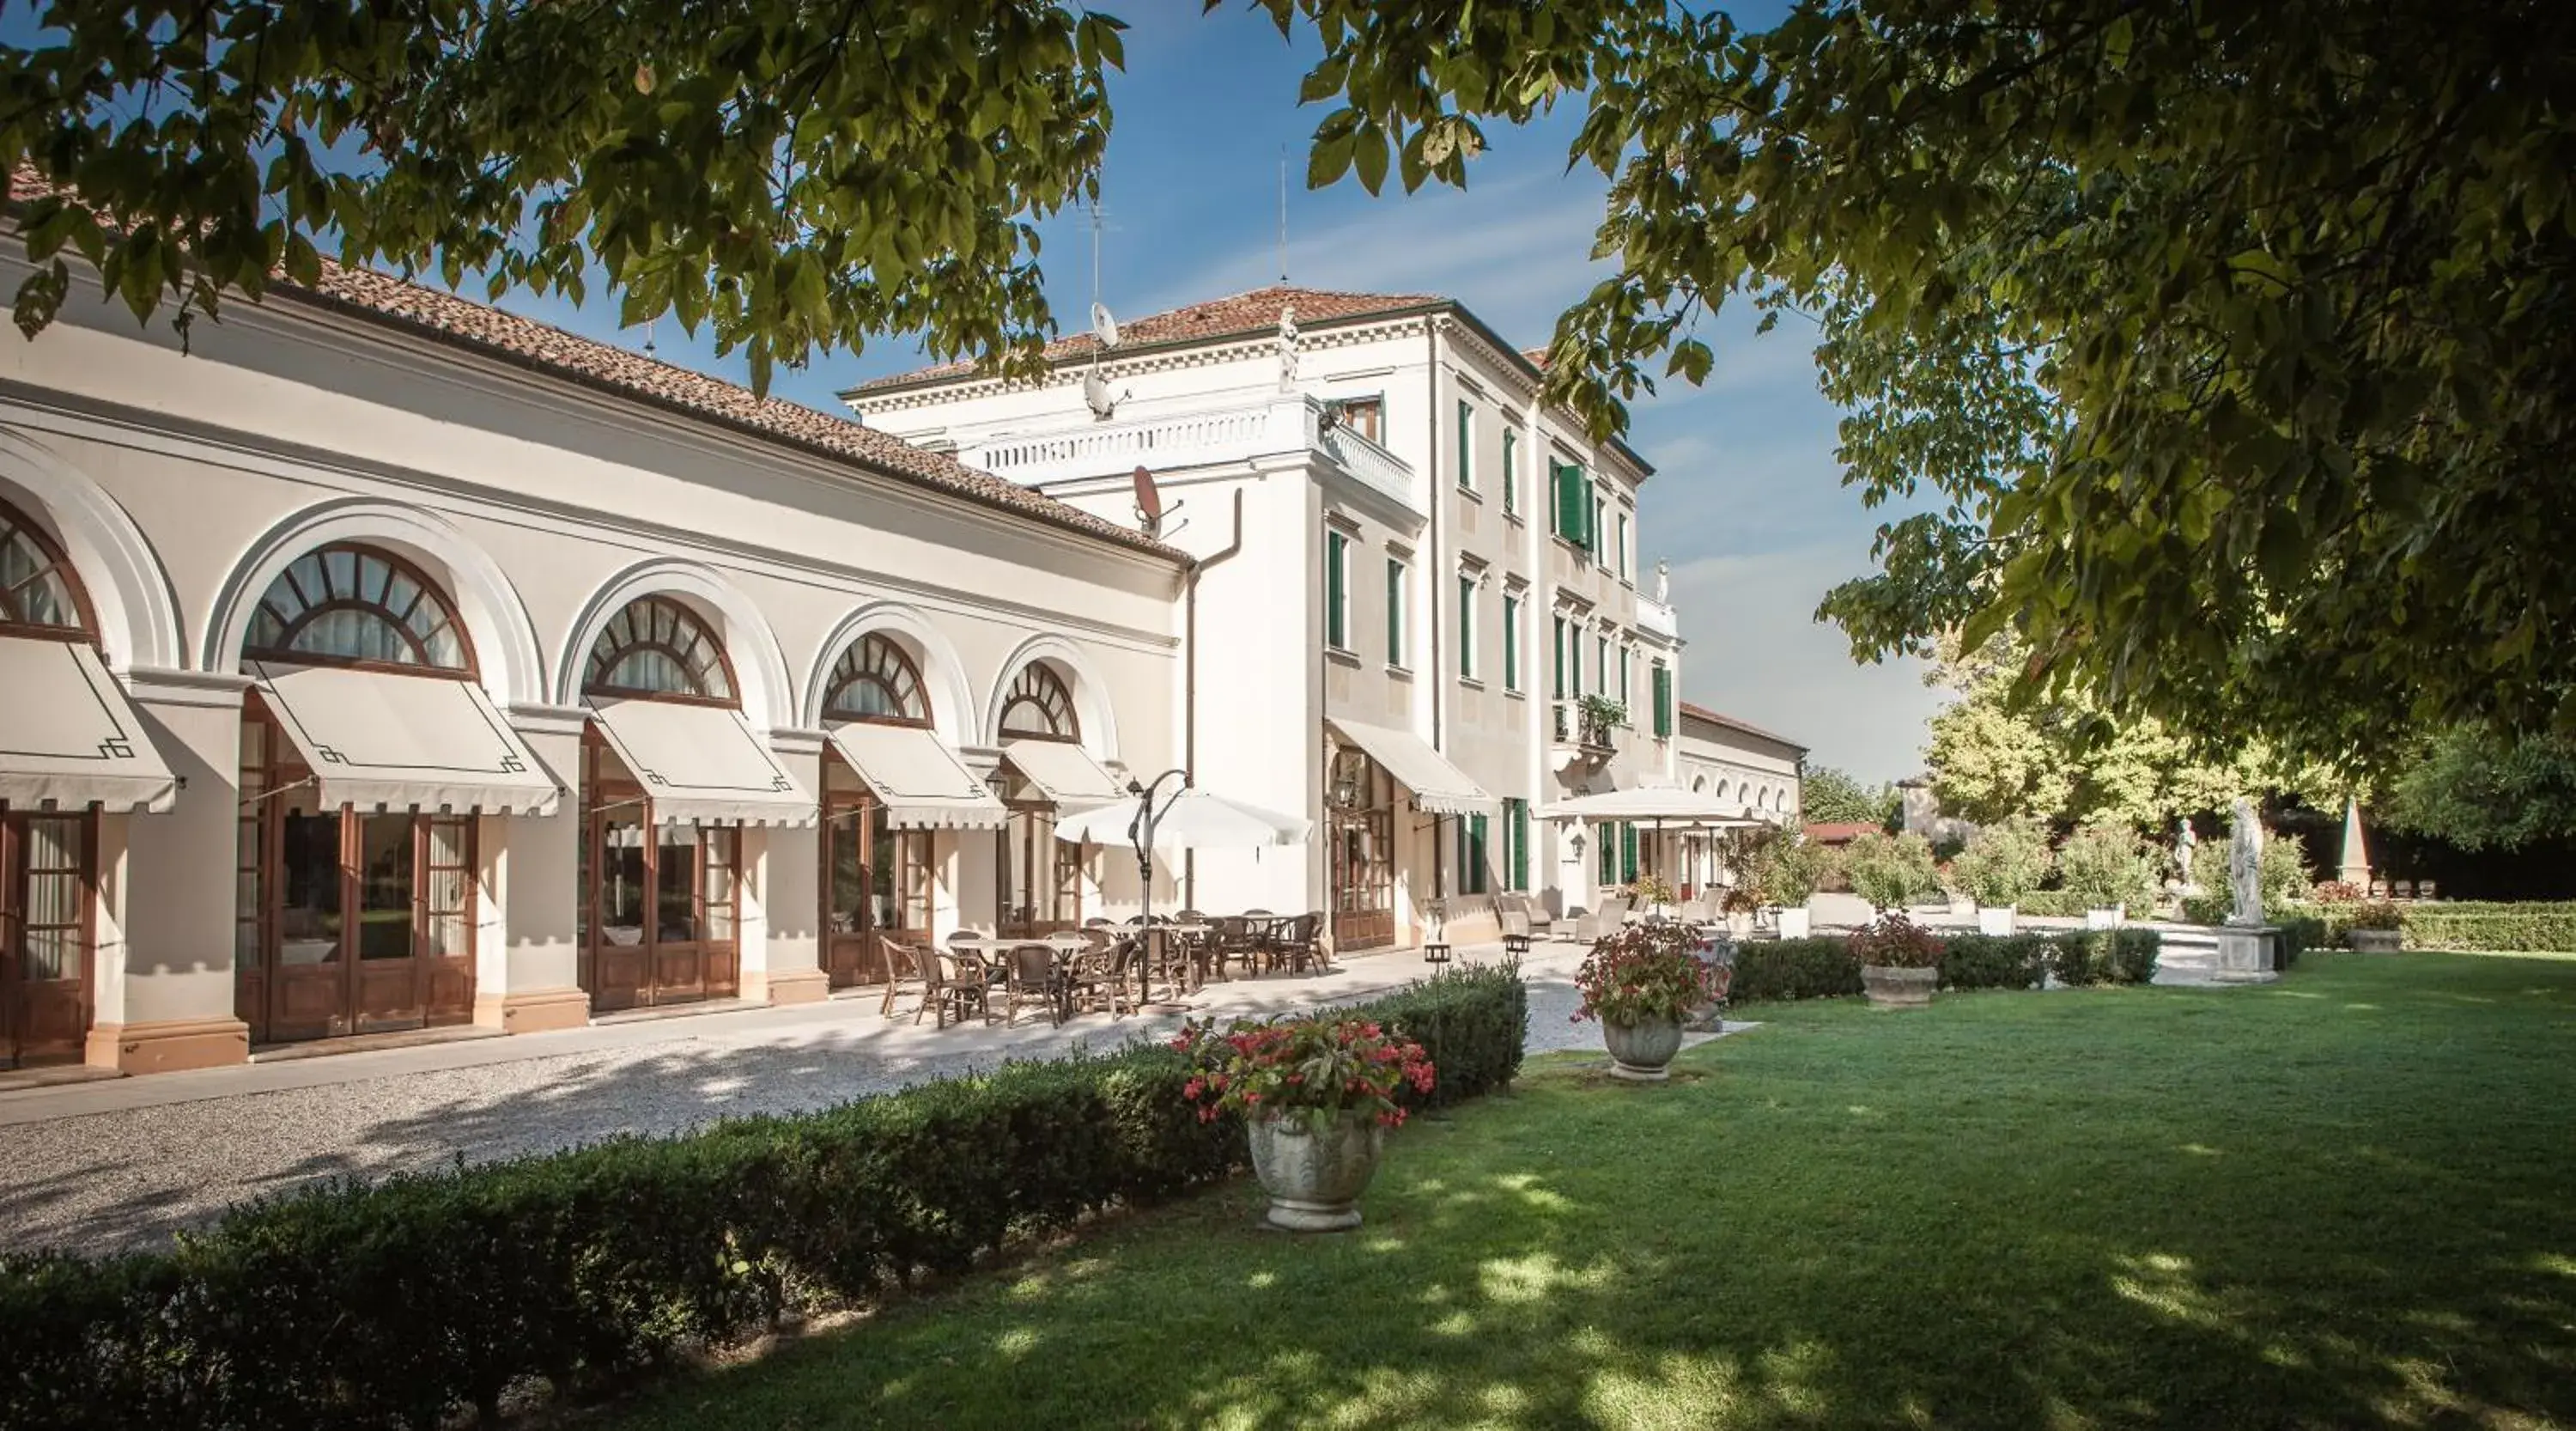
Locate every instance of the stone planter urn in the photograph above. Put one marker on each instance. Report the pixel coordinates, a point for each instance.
(1643, 1052)
(1995, 918)
(2109, 918)
(1892, 988)
(1961, 906)
(2374, 941)
(1793, 921)
(1315, 1179)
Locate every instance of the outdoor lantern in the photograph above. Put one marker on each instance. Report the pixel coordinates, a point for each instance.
(1574, 842)
(1350, 766)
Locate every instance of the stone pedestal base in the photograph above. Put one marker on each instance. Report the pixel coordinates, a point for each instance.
(2247, 954)
(533, 1011)
(171, 1046)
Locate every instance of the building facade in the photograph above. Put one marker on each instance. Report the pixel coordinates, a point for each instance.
(1427, 581)
(1744, 766)
(387, 662)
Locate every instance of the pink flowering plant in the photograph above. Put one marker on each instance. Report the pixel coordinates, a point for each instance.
(1896, 942)
(1315, 1066)
(1643, 973)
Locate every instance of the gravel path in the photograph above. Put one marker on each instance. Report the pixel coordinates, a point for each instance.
(130, 1177)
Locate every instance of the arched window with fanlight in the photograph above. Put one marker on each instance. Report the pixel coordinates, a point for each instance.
(875, 681)
(39, 593)
(357, 605)
(1038, 707)
(658, 648)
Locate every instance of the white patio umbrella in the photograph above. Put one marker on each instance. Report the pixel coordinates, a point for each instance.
(1666, 805)
(1187, 819)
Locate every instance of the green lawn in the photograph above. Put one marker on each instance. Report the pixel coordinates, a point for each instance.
(2345, 1200)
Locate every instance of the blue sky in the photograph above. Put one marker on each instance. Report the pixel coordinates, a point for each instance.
(1746, 503)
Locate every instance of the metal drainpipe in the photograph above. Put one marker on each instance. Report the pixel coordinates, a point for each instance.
(1439, 581)
(1190, 683)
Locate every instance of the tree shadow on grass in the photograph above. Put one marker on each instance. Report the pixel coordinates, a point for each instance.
(2172, 1222)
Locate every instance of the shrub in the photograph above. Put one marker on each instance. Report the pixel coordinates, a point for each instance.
(2052, 904)
(1780, 969)
(1987, 961)
(2303, 932)
(2336, 891)
(2104, 865)
(2375, 914)
(1641, 973)
(2535, 927)
(2104, 956)
(2205, 908)
(2004, 862)
(1890, 871)
(1787, 870)
(1895, 942)
(419, 1299)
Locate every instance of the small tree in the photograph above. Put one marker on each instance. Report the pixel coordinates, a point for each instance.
(1788, 869)
(2005, 861)
(1890, 871)
(2106, 865)
(1831, 795)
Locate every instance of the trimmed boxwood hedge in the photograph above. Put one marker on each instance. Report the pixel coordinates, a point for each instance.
(406, 1302)
(2477, 927)
(1824, 968)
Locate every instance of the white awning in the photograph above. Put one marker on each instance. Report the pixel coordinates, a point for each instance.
(382, 741)
(1439, 788)
(70, 737)
(702, 764)
(1065, 772)
(919, 780)
(1661, 804)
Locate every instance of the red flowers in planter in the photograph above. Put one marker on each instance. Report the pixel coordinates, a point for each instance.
(1318, 1066)
(1643, 972)
(1895, 942)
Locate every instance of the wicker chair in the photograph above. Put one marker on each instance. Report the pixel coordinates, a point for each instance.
(953, 985)
(1032, 979)
(1294, 945)
(903, 968)
(1099, 978)
(1602, 922)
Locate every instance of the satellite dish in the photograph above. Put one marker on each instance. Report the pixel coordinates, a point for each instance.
(1149, 502)
(1095, 391)
(1104, 327)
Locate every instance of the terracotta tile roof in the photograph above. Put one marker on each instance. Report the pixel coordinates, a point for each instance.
(544, 348)
(1838, 832)
(1243, 314)
(1536, 357)
(1731, 723)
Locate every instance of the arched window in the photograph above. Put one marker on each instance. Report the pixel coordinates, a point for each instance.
(39, 593)
(1039, 707)
(875, 681)
(657, 647)
(344, 603)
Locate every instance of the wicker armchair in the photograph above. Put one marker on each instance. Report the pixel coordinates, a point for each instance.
(904, 965)
(1031, 978)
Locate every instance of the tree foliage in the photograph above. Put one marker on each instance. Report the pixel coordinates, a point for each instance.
(1890, 871)
(794, 176)
(2222, 346)
(1996, 752)
(1831, 795)
(2480, 792)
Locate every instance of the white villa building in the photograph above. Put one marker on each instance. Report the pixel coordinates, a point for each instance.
(1741, 764)
(387, 662)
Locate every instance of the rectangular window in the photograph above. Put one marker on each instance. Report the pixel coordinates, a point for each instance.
(1627, 663)
(1337, 595)
(1472, 877)
(1511, 642)
(1663, 701)
(1396, 614)
(1365, 416)
(1623, 545)
(1466, 446)
(1600, 663)
(1466, 626)
(1592, 533)
(1516, 832)
(1606, 865)
(1511, 472)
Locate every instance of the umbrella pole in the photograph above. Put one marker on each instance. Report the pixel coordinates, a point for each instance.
(1141, 833)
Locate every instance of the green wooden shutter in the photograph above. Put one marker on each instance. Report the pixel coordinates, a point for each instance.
(1627, 854)
(1395, 613)
(1556, 657)
(1336, 590)
(1511, 471)
(1473, 876)
(1517, 811)
(1606, 835)
(1466, 454)
(1663, 700)
(1569, 517)
(1511, 643)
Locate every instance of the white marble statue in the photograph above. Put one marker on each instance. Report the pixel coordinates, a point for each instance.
(1288, 348)
(2245, 868)
(1664, 582)
(2186, 844)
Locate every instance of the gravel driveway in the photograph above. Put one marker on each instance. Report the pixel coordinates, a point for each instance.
(99, 1181)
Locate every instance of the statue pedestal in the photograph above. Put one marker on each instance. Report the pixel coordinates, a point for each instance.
(2247, 954)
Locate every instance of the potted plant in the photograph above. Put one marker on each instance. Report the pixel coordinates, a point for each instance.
(1962, 903)
(1900, 962)
(1598, 716)
(2108, 868)
(2005, 861)
(1791, 868)
(1316, 1093)
(1653, 891)
(2377, 927)
(1641, 982)
(1889, 870)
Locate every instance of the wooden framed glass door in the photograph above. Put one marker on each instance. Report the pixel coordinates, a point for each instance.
(660, 905)
(47, 909)
(876, 880)
(1362, 852)
(1040, 875)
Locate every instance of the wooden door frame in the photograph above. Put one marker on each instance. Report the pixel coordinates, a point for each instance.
(1054, 876)
(13, 930)
(871, 957)
(599, 795)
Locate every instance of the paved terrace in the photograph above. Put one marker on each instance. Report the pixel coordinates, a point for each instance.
(105, 1165)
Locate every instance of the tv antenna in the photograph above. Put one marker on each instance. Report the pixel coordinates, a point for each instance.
(1104, 328)
(1283, 213)
(1150, 511)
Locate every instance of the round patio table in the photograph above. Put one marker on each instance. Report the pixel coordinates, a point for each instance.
(1064, 943)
